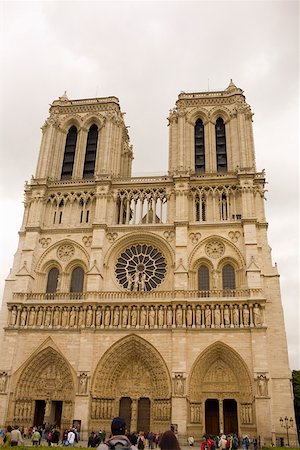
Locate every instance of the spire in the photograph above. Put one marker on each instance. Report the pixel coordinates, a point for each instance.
(64, 97)
(232, 88)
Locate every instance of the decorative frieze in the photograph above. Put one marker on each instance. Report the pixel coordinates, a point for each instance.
(144, 316)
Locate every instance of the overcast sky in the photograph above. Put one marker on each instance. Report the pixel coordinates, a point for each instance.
(145, 53)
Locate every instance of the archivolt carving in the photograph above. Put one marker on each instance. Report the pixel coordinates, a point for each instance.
(132, 367)
(220, 369)
(46, 374)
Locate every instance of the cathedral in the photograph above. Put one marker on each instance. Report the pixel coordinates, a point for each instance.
(154, 298)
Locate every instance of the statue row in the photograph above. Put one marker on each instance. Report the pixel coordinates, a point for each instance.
(195, 412)
(162, 410)
(23, 409)
(246, 413)
(144, 316)
(102, 408)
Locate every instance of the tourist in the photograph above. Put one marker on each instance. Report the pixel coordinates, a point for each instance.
(71, 438)
(6, 438)
(15, 437)
(118, 440)
(36, 437)
(92, 442)
(191, 441)
(169, 441)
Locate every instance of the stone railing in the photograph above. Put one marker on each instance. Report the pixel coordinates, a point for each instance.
(133, 296)
(153, 315)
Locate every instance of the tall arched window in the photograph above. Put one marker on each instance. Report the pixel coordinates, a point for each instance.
(77, 279)
(69, 155)
(228, 277)
(221, 146)
(203, 278)
(52, 281)
(199, 147)
(90, 153)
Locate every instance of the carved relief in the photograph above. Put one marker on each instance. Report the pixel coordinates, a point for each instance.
(195, 237)
(136, 316)
(3, 381)
(45, 242)
(214, 249)
(178, 385)
(234, 235)
(65, 252)
(87, 240)
(262, 385)
(169, 235)
(111, 237)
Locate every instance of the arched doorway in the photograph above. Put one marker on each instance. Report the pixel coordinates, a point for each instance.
(132, 378)
(219, 385)
(44, 391)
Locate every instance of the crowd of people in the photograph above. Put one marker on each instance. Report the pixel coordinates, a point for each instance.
(119, 439)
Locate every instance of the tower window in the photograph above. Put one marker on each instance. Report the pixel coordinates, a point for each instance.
(200, 208)
(228, 277)
(90, 153)
(52, 280)
(203, 278)
(199, 147)
(69, 155)
(221, 146)
(77, 279)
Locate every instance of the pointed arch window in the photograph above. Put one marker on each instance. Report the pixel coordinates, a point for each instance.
(203, 278)
(52, 280)
(91, 152)
(228, 277)
(77, 279)
(199, 147)
(69, 155)
(221, 146)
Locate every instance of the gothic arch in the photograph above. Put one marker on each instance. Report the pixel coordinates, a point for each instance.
(235, 253)
(198, 113)
(132, 366)
(91, 119)
(75, 120)
(45, 257)
(219, 371)
(220, 111)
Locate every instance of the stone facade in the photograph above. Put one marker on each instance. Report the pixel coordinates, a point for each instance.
(151, 297)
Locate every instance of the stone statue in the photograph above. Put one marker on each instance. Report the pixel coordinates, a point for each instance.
(226, 316)
(64, 317)
(80, 317)
(56, 317)
(256, 316)
(48, 317)
(136, 281)
(178, 316)
(40, 315)
(72, 319)
(198, 316)
(169, 316)
(246, 316)
(107, 317)
(13, 317)
(143, 281)
(82, 383)
(217, 317)
(23, 317)
(125, 317)
(89, 316)
(262, 385)
(207, 316)
(143, 315)
(235, 316)
(133, 317)
(151, 317)
(178, 384)
(3, 380)
(31, 320)
(98, 317)
(129, 281)
(116, 316)
(189, 316)
(160, 317)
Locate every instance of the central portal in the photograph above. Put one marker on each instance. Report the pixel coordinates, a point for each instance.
(143, 421)
(125, 411)
(212, 417)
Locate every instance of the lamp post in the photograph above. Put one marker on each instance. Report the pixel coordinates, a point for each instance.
(287, 424)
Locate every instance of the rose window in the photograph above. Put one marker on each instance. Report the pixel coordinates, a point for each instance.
(141, 268)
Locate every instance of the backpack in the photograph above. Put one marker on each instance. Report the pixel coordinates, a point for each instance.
(119, 446)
